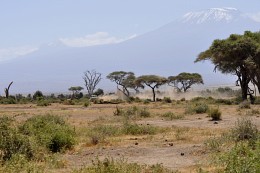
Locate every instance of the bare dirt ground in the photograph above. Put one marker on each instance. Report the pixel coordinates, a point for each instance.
(180, 148)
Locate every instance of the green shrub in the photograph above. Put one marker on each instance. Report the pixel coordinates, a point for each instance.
(242, 158)
(50, 131)
(197, 108)
(87, 103)
(245, 130)
(7, 101)
(215, 114)
(12, 142)
(201, 108)
(43, 103)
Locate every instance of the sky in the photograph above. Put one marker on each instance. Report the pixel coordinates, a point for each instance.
(28, 24)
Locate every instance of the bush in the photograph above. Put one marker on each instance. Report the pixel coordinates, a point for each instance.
(242, 158)
(167, 100)
(50, 131)
(87, 103)
(7, 101)
(245, 130)
(197, 108)
(215, 114)
(38, 94)
(201, 108)
(12, 142)
(43, 103)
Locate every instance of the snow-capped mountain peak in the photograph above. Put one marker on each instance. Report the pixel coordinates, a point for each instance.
(226, 14)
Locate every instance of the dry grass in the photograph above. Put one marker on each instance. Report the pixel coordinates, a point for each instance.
(185, 135)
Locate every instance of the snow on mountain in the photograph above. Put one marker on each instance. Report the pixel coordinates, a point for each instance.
(213, 14)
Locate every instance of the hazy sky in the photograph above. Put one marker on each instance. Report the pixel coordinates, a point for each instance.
(27, 24)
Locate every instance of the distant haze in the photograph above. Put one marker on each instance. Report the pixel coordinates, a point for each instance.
(166, 51)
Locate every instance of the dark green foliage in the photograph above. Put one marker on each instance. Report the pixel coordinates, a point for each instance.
(43, 103)
(12, 142)
(50, 131)
(99, 92)
(9, 100)
(167, 100)
(38, 95)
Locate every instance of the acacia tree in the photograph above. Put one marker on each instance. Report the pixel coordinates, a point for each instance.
(184, 81)
(232, 56)
(91, 78)
(124, 81)
(75, 90)
(151, 81)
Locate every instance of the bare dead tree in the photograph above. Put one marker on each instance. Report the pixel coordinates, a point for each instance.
(7, 90)
(91, 78)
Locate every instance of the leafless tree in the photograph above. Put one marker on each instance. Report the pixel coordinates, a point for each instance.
(91, 78)
(7, 90)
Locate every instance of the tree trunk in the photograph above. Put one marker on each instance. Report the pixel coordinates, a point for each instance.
(7, 90)
(153, 94)
(244, 88)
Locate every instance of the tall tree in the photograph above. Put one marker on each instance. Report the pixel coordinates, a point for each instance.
(124, 81)
(232, 56)
(184, 81)
(151, 81)
(91, 78)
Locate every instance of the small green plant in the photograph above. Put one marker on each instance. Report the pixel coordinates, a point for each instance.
(215, 114)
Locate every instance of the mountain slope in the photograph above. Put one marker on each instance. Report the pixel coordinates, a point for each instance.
(166, 51)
